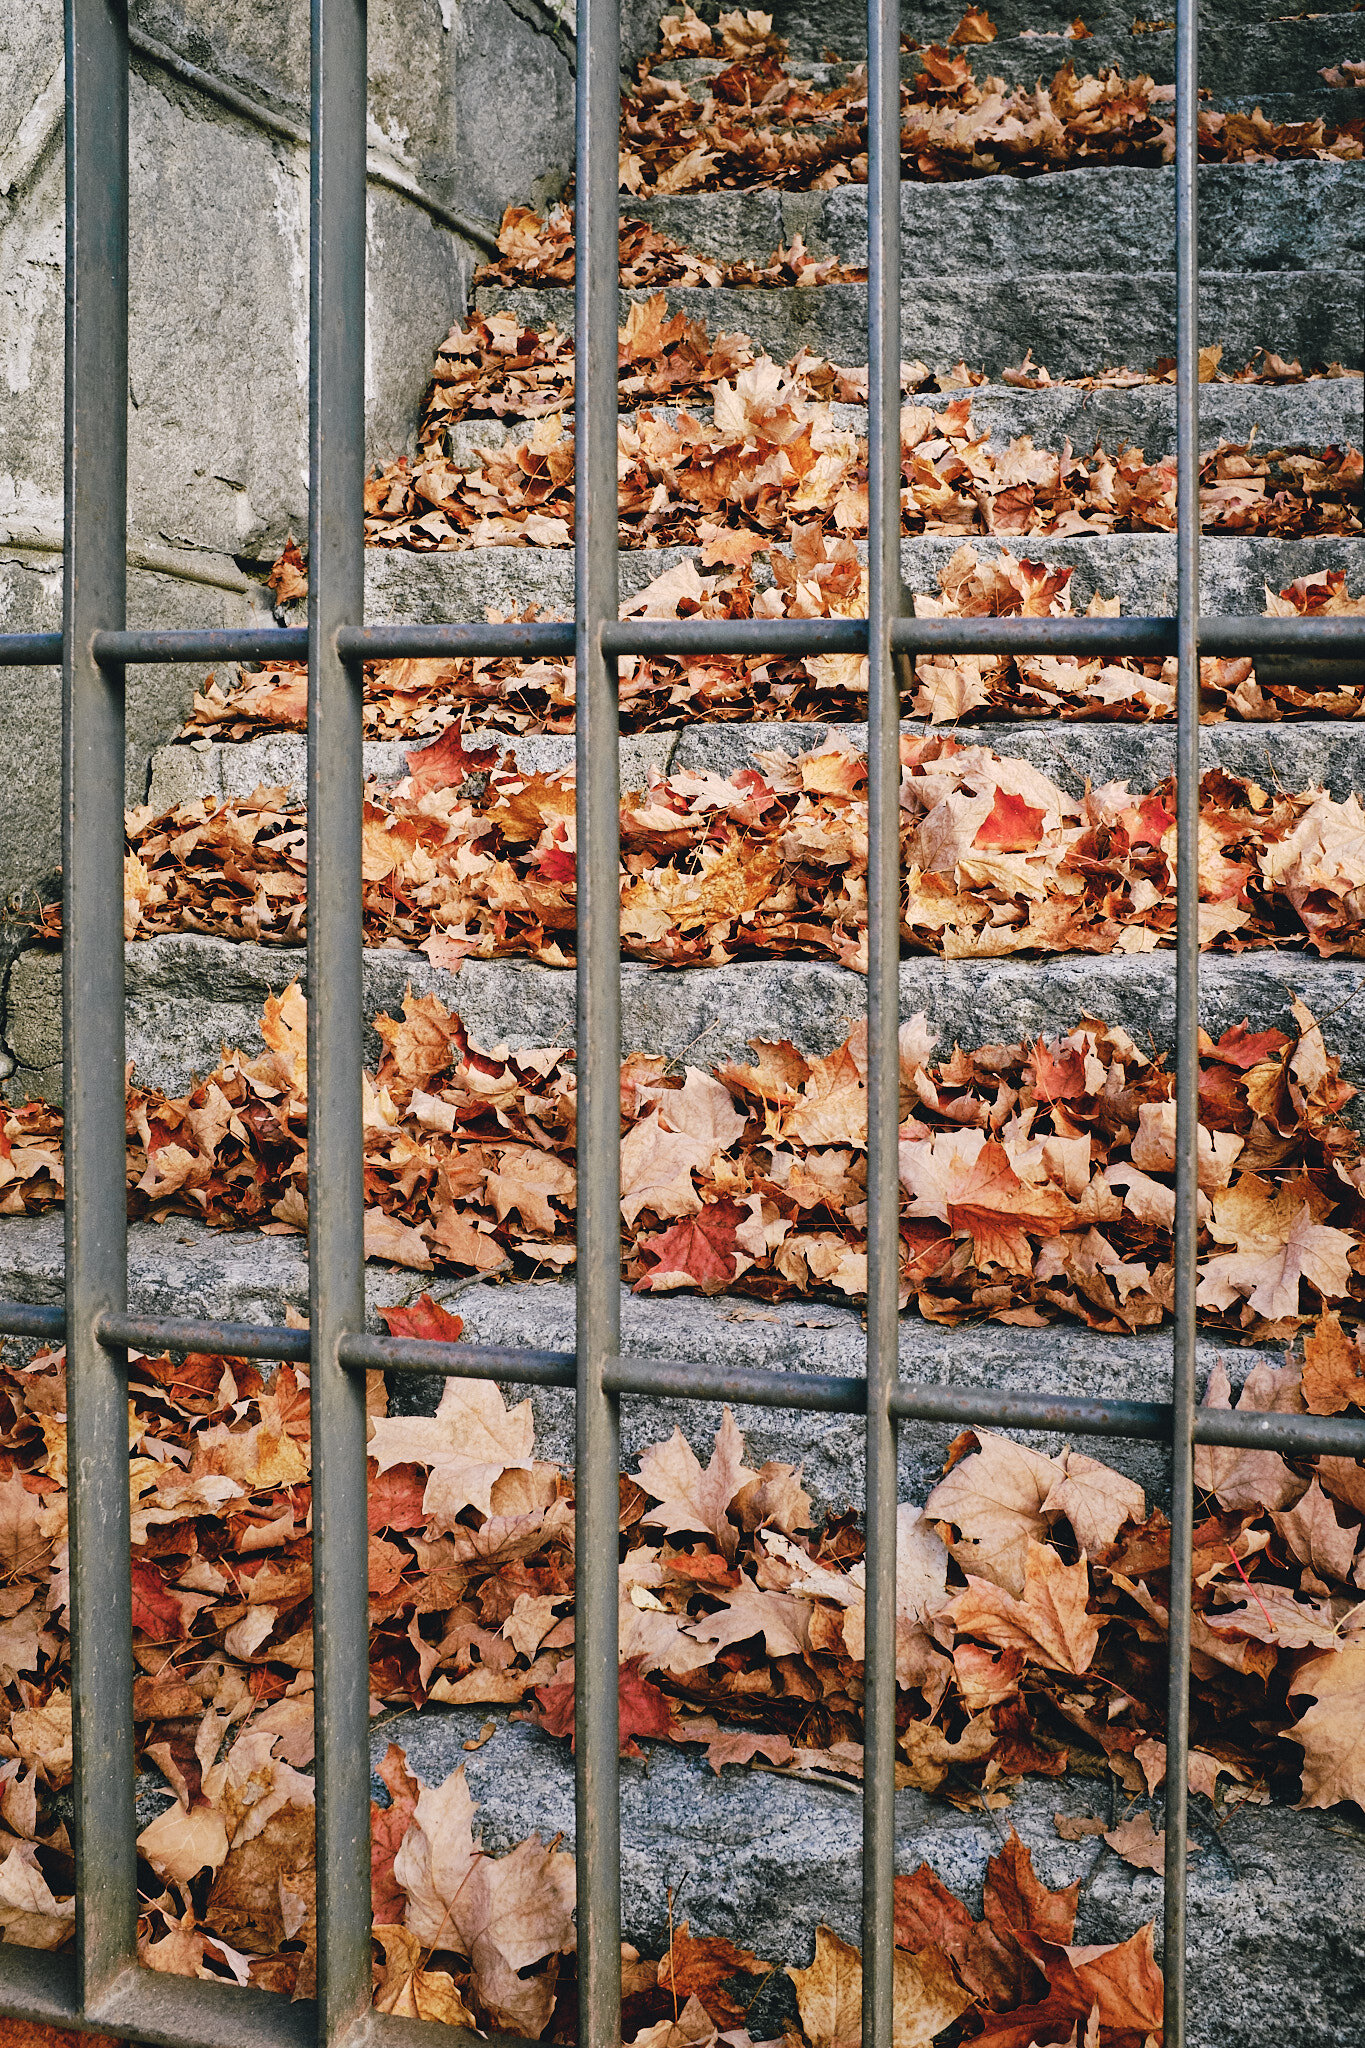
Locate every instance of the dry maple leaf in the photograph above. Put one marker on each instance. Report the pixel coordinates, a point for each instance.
(995, 1498)
(411, 1992)
(1138, 1843)
(1334, 1368)
(1330, 1732)
(1050, 1623)
(388, 1825)
(470, 1442)
(699, 1966)
(687, 1496)
(1278, 1244)
(829, 1995)
(503, 1913)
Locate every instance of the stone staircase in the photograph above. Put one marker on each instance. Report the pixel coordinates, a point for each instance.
(1078, 267)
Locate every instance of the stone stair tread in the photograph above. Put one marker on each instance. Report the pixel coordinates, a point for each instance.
(181, 1268)
(766, 1858)
(1302, 215)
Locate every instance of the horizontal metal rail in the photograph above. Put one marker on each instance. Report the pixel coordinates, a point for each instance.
(1311, 638)
(1299, 1436)
(30, 650)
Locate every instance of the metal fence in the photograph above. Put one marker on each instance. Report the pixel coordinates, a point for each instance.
(100, 1985)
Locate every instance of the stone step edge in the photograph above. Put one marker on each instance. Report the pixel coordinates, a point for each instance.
(189, 994)
(180, 1268)
(1318, 749)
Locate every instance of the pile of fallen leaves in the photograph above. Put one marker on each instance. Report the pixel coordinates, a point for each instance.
(539, 250)
(771, 457)
(490, 366)
(821, 578)
(1032, 1595)
(469, 857)
(1037, 1179)
(754, 123)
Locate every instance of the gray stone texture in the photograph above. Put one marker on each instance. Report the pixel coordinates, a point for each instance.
(1276, 1955)
(1137, 568)
(188, 996)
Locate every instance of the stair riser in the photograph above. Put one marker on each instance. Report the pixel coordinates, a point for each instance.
(811, 29)
(1317, 414)
(1259, 217)
(1075, 322)
(1295, 756)
(1138, 568)
(188, 995)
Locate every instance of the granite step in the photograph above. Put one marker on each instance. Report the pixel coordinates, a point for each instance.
(1322, 412)
(1138, 568)
(188, 995)
(1289, 756)
(1076, 321)
(811, 27)
(1274, 64)
(1297, 216)
(181, 1268)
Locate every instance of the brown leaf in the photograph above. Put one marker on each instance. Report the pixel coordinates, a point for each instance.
(690, 1498)
(698, 1967)
(1330, 1731)
(1137, 1842)
(829, 1995)
(1334, 1368)
(1050, 1624)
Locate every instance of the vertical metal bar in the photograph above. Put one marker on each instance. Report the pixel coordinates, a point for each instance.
(336, 578)
(883, 1004)
(92, 984)
(1187, 1004)
(596, 1716)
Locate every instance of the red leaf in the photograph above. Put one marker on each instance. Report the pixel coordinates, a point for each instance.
(154, 1611)
(1058, 1076)
(1154, 822)
(395, 1498)
(1013, 826)
(701, 1249)
(557, 865)
(1238, 1047)
(388, 1825)
(445, 763)
(426, 1318)
(644, 1710)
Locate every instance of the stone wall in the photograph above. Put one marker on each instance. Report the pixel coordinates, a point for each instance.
(471, 107)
